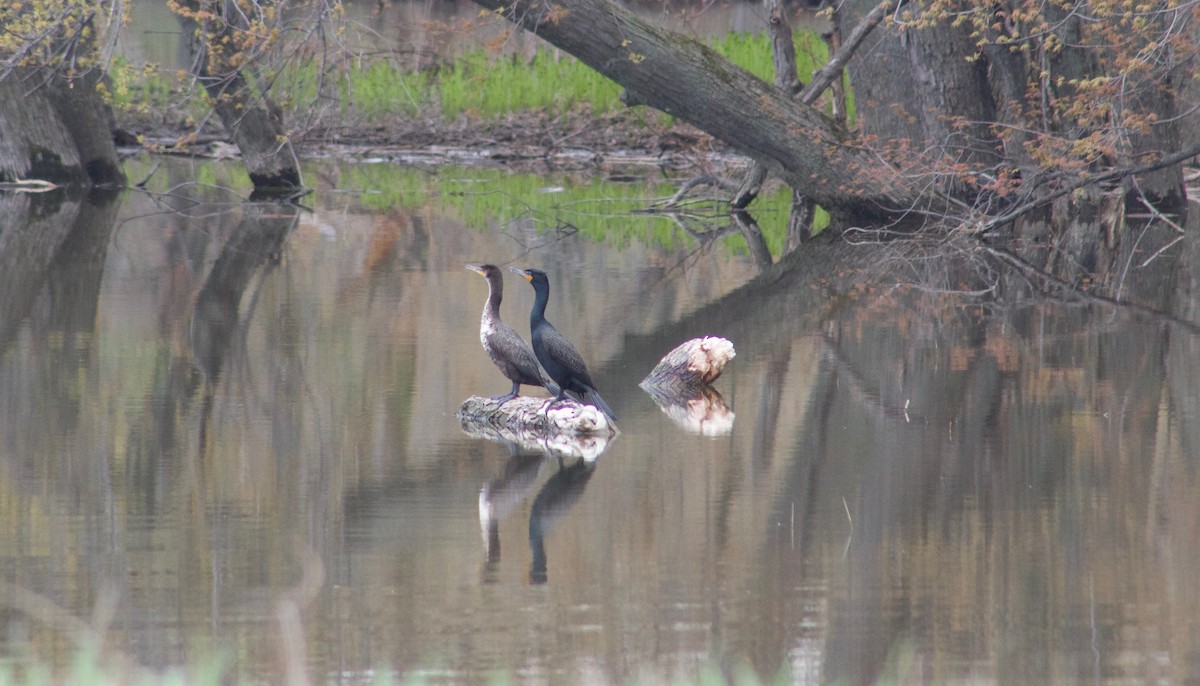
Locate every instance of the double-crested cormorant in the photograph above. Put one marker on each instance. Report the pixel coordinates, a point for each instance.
(503, 344)
(558, 357)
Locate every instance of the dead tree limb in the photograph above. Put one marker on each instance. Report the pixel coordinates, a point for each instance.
(482, 418)
(1112, 175)
(832, 71)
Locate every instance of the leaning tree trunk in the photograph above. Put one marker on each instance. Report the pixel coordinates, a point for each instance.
(686, 79)
(251, 118)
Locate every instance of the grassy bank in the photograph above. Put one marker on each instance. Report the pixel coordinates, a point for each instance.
(477, 84)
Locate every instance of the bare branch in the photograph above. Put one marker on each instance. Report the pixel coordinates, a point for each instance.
(832, 70)
(1111, 175)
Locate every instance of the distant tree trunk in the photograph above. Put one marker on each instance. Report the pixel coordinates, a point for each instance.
(248, 115)
(56, 131)
(919, 97)
(783, 55)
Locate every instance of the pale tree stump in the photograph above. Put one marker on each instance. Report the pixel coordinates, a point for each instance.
(680, 385)
(692, 364)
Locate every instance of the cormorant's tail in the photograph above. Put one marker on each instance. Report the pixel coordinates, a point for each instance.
(592, 397)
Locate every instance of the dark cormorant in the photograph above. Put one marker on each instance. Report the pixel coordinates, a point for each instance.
(503, 344)
(558, 357)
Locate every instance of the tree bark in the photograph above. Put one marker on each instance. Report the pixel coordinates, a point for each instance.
(695, 362)
(251, 118)
(684, 78)
(90, 123)
(35, 142)
(916, 88)
(526, 420)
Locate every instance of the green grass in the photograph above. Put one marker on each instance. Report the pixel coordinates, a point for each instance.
(476, 83)
(752, 52)
(90, 668)
(553, 82)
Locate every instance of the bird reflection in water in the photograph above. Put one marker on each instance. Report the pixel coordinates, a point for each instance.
(501, 495)
(558, 495)
(576, 457)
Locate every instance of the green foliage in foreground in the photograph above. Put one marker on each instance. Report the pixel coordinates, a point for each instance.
(91, 668)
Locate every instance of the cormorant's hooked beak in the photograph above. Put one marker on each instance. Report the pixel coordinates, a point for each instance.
(478, 269)
(522, 272)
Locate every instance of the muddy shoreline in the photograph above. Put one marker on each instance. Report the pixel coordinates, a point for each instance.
(524, 141)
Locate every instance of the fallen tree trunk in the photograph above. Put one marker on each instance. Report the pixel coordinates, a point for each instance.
(684, 78)
(682, 378)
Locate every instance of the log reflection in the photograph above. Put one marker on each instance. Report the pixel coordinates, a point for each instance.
(699, 410)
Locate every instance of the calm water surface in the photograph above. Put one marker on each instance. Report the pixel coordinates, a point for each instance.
(232, 431)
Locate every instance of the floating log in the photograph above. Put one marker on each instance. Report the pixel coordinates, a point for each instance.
(692, 364)
(568, 429)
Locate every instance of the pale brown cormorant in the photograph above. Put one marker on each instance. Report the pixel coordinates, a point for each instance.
(503, 344)
(556, 354)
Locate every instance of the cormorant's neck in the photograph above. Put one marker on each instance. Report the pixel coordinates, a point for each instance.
(542, 296)
(495, 295)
